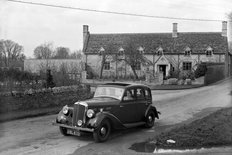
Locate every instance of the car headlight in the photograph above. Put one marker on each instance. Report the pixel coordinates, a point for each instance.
(65, 110)
(90, 113)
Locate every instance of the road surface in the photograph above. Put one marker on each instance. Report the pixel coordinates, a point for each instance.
(38, 136)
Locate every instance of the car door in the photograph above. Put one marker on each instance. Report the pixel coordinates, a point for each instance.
(143, 101)
(127, 108)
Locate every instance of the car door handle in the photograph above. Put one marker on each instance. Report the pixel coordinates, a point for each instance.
(121, 106)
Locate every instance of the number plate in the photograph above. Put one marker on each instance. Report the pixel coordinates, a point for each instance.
(74, 132)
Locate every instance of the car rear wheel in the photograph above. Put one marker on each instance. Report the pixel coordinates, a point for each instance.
(63, 131)
(102, 133)
(150, 119)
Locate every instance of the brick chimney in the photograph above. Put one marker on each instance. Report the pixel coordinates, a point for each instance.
(224, 28)
(174, 30)
(85, 32)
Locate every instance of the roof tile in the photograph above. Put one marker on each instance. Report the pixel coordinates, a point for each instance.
(196, 41)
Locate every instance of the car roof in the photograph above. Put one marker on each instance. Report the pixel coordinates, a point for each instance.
(124, 84)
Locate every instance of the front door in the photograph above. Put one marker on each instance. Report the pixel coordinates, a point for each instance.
(162, 68)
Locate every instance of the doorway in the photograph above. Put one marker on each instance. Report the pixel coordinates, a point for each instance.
(162, 68)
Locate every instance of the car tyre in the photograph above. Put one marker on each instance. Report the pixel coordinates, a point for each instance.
(150, 119)
(102, 132)
(63, 131)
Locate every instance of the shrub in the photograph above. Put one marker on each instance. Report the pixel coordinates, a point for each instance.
(201, 70)
(50, 83)
(188, 81)
(172, 81)
(181, 82)
(187, 75)
(90, 72)
(173, 74)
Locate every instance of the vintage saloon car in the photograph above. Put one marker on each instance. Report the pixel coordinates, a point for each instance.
(114, 106)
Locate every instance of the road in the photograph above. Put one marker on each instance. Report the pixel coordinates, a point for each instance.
(38, 136)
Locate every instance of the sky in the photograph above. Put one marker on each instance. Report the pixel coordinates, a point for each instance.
(32, 25)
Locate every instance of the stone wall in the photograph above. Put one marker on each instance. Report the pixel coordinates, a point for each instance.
(122, 70)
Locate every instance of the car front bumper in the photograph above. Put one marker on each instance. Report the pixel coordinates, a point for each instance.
(73, 127)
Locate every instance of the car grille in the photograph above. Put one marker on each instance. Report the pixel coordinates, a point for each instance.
(79, 112)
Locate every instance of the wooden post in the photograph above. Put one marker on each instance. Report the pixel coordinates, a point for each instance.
(116, 65)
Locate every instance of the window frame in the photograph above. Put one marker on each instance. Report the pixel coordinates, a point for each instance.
(209, 53)
(187, 53)
(140, 96)
(133, 95)
(106, 65)
(160, 53)
(187, 66)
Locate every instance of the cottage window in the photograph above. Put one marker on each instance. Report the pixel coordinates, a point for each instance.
(160, 51)
(101, 51)
(138, 66)
(187, 51)
(209, 51)
(141, 50)
(107, 65)
(120, 51)
(187, 65)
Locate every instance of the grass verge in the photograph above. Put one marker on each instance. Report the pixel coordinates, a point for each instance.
(214, 130)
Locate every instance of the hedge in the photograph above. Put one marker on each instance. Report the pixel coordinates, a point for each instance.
(214, 73)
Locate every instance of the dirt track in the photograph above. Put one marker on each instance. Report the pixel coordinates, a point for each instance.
(38, 136)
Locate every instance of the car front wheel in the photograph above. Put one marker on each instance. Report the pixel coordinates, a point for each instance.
(150, 119)
(63, 131)
(102, 132)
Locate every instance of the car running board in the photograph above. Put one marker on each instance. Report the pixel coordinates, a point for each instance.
(131, 125)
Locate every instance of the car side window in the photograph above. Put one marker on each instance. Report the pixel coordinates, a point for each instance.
(147, 94)
(140, 93)
(129, 95)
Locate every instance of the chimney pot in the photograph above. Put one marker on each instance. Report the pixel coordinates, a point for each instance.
(224, 28)
(174, 30)
(85, 33)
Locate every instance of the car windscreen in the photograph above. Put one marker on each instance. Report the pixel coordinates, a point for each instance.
(109, 92)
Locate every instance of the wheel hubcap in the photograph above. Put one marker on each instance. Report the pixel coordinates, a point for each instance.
(103, 130)
(150, 118)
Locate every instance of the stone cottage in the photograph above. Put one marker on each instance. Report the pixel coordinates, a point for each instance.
(165, 52)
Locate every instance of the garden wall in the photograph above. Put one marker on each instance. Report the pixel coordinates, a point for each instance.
(214, 73)
(37, 102)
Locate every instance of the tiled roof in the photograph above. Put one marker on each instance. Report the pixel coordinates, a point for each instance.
(196, 41)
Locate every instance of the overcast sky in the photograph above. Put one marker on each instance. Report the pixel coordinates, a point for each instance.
(31, 25)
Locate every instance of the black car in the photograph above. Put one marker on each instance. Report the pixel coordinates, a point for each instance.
(114, 106)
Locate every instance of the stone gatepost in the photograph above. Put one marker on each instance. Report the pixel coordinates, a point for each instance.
(83, 76)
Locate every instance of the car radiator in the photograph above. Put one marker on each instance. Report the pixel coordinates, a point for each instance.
(79, 112)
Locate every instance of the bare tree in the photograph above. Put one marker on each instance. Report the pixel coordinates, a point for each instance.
(134, 57)
(75, 55)
(61, 53)
(43, 51)
(105, 54)
(10, 52)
